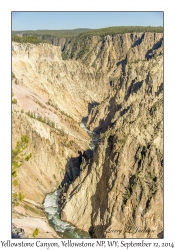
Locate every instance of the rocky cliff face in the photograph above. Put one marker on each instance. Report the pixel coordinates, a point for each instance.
(117, 83)
(119, 194)
(42, 89)
(50, 103)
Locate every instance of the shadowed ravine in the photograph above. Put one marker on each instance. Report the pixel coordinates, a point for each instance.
(106, 184)
(53, 200)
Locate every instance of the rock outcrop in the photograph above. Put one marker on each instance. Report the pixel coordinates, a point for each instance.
(17, 233)
(120, 192)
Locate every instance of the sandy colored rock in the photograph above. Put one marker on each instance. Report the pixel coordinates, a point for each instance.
(118, 86)
(120, 194)
(29, 224)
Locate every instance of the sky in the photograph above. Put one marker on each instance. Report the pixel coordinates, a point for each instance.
(73, 20)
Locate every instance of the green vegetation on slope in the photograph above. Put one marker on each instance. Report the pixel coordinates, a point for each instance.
(64, 140)
(121, 30)
(35, 232)
(90, 32)
(28, 39)
(18, 157)
(14, 101)
(49, 33)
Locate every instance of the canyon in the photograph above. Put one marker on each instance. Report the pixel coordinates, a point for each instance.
(114, 85)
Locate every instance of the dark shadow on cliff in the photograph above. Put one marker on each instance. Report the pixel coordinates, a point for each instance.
(138, 41)
(72, 168)
(99, 201)
(105, 123)
(76, 164)
(151, 52)
(90, 107)
(133, 88)
(123, 64)
(160, 90)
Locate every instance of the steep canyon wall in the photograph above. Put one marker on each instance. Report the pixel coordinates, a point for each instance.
(120, 193)
(116, 81)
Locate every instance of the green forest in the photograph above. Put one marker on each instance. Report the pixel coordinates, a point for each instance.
(51, 33)
(121, 30)
(28, 39)
(46, 34)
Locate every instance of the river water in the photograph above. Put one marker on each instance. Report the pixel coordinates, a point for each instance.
(64, 229)
(52, 207)
(94, 136)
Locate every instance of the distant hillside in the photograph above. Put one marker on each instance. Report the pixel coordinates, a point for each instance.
(49, 33)
(64, 37)
(28, 39)
(89, 32)
(122, 30)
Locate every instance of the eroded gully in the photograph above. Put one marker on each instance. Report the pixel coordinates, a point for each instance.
(52, 205)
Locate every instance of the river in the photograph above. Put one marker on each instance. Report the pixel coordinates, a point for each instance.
(94, 136)
(52, 207)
